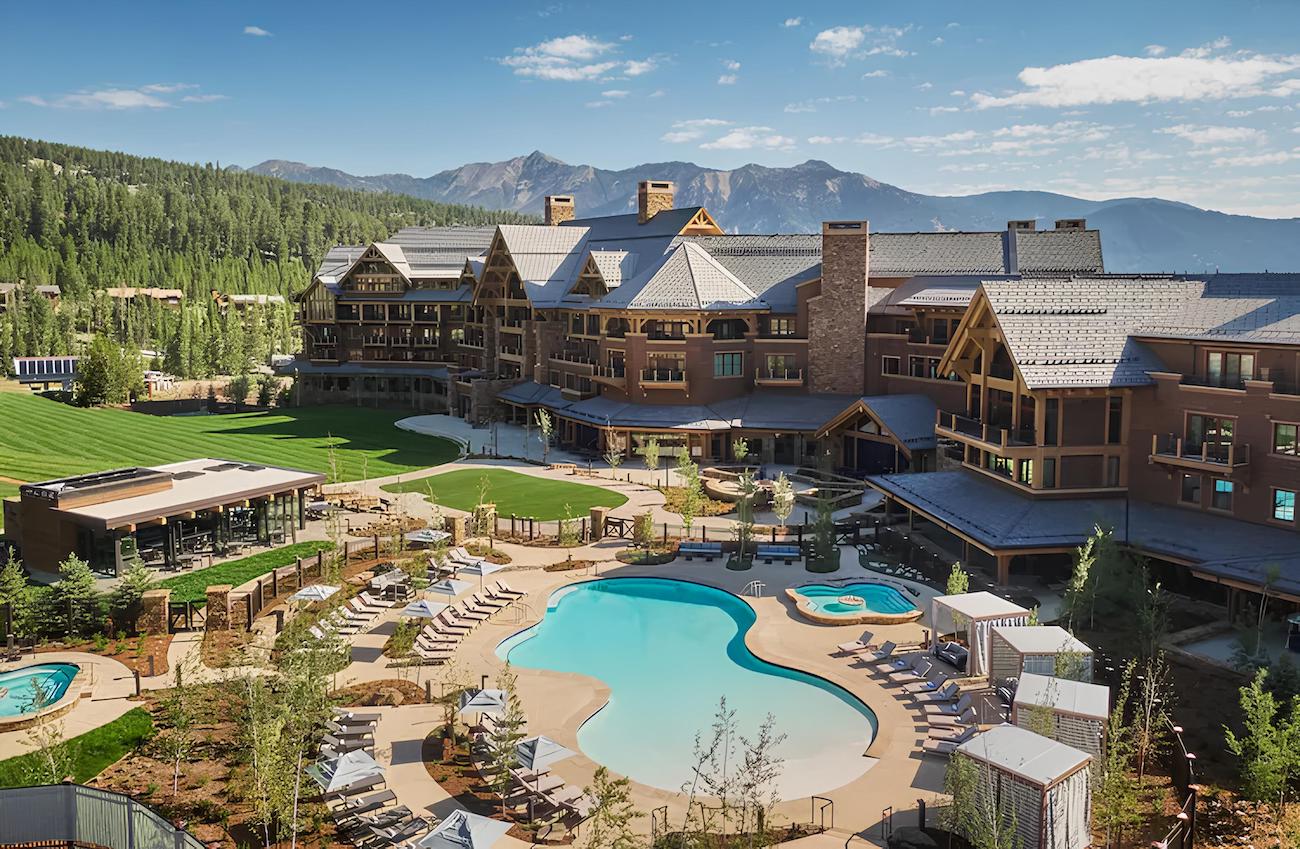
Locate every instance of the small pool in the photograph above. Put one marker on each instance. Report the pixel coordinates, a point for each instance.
(34, 688)
(857, 603)
(668, 650)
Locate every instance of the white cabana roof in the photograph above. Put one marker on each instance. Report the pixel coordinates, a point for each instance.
(346, 769)
(314, 592)
(978, 614)
(449, 587)
(1041, 639)
(1091, 701)
(463, 830)
(538, 753)
(424, 609)
(1023, 753)
(481, 568)
(979, 606)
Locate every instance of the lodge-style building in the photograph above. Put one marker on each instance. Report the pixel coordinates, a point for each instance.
(1040, 395)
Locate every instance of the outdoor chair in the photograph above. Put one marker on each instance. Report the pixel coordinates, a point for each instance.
(932, 685)
(944, 748)
(483, 601)
(364, 804)
(955, 735)
(506, 590)
(499, 591)
(464, 558)
(967, 717)
(464, 611)
(947, 693)
(954, 654)
(956, 708)
(920, 669)
(861, 644)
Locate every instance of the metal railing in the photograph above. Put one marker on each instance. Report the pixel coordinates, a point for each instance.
(755, 589)
(86, 815)
(1228, 454)
(780, 375)
(1221, 382)
(985, 432)
(610, 372)
(662, 375)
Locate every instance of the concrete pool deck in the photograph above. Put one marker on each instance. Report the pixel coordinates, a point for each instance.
(111, 686)
(558, 703)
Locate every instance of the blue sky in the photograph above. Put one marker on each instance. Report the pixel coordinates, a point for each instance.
(1193, 101)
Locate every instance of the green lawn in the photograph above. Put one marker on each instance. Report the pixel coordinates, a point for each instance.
(95, 750)
(41, 439)
(522, 495)
(193, 586)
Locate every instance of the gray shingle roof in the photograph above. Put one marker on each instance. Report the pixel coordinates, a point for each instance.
(998, 516)
(687, 279)
(910, 418)
(910, 254)
(664, 225)
(1059, 251)
(430, 252)
(772, 266)
(1259, 308)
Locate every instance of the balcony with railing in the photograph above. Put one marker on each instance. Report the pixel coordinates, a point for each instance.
(920, 337)
(511, 352)
(613, 375)
(984, 434)
(573, 358)
(778, 376)
(663, 378)
(1207, 455)
(1221, 382)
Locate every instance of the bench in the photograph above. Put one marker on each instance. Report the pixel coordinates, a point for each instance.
(568, 468)
(707, 550)
(785, 553)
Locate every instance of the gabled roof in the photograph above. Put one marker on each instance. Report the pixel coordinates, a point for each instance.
(614, 266)
(547, 259)
(910, 254)
(1255, 308)
(429, 252)
(688, 279)
(665, 224)
(909, 418)
(771, 265)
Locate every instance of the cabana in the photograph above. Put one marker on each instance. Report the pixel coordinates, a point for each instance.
(1017, 649)
(977, 614)
(1077, 710)
(1045, 783)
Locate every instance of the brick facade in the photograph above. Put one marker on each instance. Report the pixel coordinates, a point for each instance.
(837, 317)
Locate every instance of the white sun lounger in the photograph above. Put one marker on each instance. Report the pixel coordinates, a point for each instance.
(858, 646)
(954, 735)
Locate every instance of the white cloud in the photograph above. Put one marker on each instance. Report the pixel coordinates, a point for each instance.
(875, 75)
(166, 88)
(1132, 79)
(657, 93)
(792, 22)
(875, 140)
(811, 104)
(940, 110)
(255, 31)
(937, 40)
(615, 93)
(1258, 159)
(926, 86)
(826, 139)
(203, 98)
(746, 138)
(1220, 43)
(941, 141)
(727, 79)
(957, 93)
(1215, 135)
(731, 65)
(838, 44)
(691, 129)
(573, 58)
(151, 96)
(1155, 50)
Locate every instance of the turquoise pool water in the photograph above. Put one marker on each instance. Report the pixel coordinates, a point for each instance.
(18, 689)
(876, 597)
(668, 650)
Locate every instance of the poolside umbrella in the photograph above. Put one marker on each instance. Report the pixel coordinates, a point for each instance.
(538, 753)
(346, 769)
(449, 587)
(482, 569)
(483, 701)
(314, 592)
(424, 609)
(463, 830)
(427, 536)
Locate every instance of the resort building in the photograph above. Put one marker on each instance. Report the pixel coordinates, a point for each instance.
(166, 513)
(657, 323)
(9, 294)
(167, 297)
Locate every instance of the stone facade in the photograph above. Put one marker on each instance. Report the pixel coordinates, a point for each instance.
(837, 317)
(549, 341)
(458, 527)
(218, 613)
(652, 198)
(153, 611)
(559, 209)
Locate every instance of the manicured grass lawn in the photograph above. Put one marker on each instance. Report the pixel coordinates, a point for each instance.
(95, 750)
(193, 586)
(42, 439)
(522, 495)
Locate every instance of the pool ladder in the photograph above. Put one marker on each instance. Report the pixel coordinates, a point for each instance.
(754, 588)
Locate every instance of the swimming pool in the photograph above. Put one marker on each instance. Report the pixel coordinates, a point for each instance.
(668, 650)
(855, 603)
(19, 688)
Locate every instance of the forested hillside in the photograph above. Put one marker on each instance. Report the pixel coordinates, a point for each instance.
(86, 220)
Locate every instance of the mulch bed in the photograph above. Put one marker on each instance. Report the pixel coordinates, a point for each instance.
(644, 557)
(131, 652)
(224, 649)
(568, 566)
(493, 555)
(389, 691)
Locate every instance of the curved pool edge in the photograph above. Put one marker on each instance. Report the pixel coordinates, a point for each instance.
(804, 606)
(70, 698)
(603, 693)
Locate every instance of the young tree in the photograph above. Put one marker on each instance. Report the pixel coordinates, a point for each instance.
(545, 429)
(643, 529)
(1152, 621)
(267, 388)
(76, 597)
(567, 535)
(179, 715)
(481, 521)
(15, 592)
(1151, 704)
(826, 554)
(102, 375)
(743, 530)
(505, 734)
(760, 771)
(237, 390)
(958, 580)
(650, 454)
(1115, 800)
(974, 811)
(782, 498)
(740, 449)
(124, 598)
(54, 757)
(688, 473)
(1265, 750)
(614, 449)
(610, 825)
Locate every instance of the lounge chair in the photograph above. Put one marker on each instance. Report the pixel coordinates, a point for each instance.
(432, 635)
(348, 744)
(463, 557)
(918, 671)
(861, 644)
(482, 601)
(940, 747)
(496, 593)
(434, 655)
(356, 788)
(893, 663)
(947, 693)
(376, 603)
(956, 708)
(395, 836)
(471, 604)
(504, 589)
(448, 621)
(967, 717)
(365, 804)
(351, 717)
(932, 685)
(955, 735)
(464, 611)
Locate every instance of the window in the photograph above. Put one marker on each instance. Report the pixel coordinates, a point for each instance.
(1112, 471)
(1285, 440)
(1114, 419)
(1228, 369)
(1049, 473)
(1191, 491)
(728, 365)
(1025, 472)
(1284, 505)
(780, 365)
(890, 365)
(780, 327)
(1213, 433)
(1222, 497)
(554, 378)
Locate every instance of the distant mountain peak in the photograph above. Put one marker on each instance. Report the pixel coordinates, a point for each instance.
(1138, 234)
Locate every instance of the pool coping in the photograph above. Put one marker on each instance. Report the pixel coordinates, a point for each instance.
(867, 617)
(70, 699)
(602, 696)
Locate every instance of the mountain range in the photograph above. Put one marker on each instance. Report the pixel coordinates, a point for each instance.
(1138, 234)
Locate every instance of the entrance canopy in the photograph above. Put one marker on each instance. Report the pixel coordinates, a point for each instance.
(977, 613)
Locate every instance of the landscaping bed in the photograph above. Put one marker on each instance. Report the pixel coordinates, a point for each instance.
(193, 586)
(569, 566)
(675, 495)
(647, 556)
(389, 691)
(94, 751)
(493, 555)
(134, 653)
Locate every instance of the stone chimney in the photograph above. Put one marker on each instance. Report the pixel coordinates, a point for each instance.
(559, 209)
(652, 198)
(1071, 224)
(837, 317)
(1023, 224)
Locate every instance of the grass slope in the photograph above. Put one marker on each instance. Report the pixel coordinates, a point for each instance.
(41, 439)
(95, 750)
(522, 495)
(193, 586)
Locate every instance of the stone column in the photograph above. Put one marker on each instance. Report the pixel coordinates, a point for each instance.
(598, 515)
(153, 611)
(456, 526)
(218, 614)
